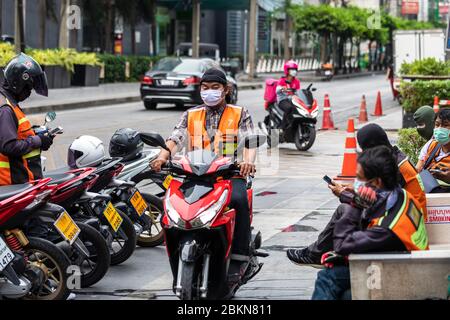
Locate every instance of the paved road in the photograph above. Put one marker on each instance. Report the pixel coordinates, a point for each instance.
(297, 208)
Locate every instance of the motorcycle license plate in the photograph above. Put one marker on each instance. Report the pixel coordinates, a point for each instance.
(6, 255)
(113, 217)
(138, 203)
(167, 181)
(67, 227)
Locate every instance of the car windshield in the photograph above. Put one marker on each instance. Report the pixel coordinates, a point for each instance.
(166, 64)
(188, 66)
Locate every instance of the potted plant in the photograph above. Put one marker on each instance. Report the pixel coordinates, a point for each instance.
(6, 54)
(57, 65)
(86, 70)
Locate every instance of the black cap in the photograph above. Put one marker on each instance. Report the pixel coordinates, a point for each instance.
(372, 135)
(214, 75)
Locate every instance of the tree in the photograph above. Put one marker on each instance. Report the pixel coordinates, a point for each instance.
(133, 13)
(46, 11)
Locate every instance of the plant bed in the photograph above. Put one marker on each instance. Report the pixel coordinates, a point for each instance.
(57, 77)
(86, 75)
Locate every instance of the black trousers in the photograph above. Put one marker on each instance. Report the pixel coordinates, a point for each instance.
(239, 202)
(287, 107)
(324, 242)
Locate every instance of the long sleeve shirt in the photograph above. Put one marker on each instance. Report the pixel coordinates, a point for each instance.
(351, 234)
(213, 116)
(9, 144)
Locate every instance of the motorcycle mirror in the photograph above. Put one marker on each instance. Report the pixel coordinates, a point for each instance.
(314, 89)
(309, 87)
(50, 116)
(153, 140)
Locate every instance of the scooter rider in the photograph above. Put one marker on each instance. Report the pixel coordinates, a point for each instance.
(214, 118)
(20, 147)
(287, 86)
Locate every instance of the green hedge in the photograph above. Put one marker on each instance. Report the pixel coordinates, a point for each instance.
(115, 67)
(421, 92)
(410, 142)
(426, 67)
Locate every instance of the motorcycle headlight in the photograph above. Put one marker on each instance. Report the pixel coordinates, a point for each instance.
(302, 111)
(315, 113)
(209, 213)
(172, 213)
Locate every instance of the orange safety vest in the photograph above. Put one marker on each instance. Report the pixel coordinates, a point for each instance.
(445, 161)
(406, 221)
(413, 184)
(225, 139)
(22, 169)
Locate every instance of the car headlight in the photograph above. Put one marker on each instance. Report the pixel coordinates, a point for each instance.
(209, 213)
(172, 213)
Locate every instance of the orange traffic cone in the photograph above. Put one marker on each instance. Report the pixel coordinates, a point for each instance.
(436, 104)
(327, 121)
(378, 107)
(349, 164)
(363, 111)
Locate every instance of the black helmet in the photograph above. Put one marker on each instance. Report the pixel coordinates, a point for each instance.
(126, 144)
(22, 73)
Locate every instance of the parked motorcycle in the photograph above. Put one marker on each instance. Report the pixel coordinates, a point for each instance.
(30, 267)
(302, 122)
(199, 225)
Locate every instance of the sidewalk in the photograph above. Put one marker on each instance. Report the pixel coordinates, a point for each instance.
(105, 94)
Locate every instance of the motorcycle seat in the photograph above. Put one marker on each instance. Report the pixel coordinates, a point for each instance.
(10, 191)
(59, 178)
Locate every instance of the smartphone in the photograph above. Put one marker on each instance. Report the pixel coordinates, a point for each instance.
(328, 180)
(436, 171)
(56, 131)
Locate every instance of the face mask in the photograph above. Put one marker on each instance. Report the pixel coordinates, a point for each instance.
(425, 130)
(293, 73)
(357, 184)
(211, 97)
(442, 135)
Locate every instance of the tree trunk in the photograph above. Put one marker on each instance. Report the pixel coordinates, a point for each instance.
(324, 48)
(133, 37)
(335, 53)
(63, 41)
(42, 22)
(109, 26)
(1, 10)
(351, 54)
(19, 27)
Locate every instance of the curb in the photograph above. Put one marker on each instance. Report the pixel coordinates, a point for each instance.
(104, 102)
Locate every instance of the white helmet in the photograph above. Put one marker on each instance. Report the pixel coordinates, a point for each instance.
(86, 151)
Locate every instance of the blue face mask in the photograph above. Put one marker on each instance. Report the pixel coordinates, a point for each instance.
(442, 135)
(211, 97)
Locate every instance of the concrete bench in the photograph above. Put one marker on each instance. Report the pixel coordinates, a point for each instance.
(415, 275)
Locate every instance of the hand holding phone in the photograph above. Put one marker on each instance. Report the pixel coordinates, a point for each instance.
(328, 180)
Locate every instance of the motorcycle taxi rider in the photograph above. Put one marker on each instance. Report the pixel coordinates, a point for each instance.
(20, 147)
(287, 87)
(218, 117)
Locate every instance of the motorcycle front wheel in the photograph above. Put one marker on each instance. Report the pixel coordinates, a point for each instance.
(304, 137)
(154, 235)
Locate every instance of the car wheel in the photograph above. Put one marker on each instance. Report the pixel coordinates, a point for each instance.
(150, 105)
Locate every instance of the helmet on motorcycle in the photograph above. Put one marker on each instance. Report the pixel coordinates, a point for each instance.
(23, 74)
(126, 144)
(291, 64)
(85, 151)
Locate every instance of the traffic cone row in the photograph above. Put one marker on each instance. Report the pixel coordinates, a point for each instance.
(363, 111)
(378, 107)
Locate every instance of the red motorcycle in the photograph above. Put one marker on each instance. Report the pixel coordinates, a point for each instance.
(199, 225)
(30, 267)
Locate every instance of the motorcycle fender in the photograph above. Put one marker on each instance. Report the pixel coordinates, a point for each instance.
(298, 119)
(190, 251)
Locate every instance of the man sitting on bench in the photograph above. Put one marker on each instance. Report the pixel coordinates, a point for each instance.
(382, 217)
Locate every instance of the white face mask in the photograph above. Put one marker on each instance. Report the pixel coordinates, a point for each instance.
(293, 72)
(358, 183)
(211, 97)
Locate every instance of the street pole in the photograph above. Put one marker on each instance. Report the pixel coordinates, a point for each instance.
(19, 35)
(195, 28)
(1, 11)
(287, 31)
(252, 39)
(245, 40)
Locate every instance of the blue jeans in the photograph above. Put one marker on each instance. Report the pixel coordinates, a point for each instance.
(333, 284)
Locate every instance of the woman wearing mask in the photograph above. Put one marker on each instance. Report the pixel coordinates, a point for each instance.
(288, 85)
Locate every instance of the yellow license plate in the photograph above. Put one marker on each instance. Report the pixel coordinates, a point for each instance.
(167, 181)
(138, 203)
(67, 227)
(113, 217)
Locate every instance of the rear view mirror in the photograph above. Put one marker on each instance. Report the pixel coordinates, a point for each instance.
(153, 140)
(50, 116)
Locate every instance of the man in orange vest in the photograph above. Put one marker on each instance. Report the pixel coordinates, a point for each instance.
(382, 217)
(20, 147)
(218, 126)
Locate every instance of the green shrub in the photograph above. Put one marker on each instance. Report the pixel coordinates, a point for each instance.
(410, 142)
(114, 68)
(139, 65)
(420, 92)
(426, 67)
(6, 53)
